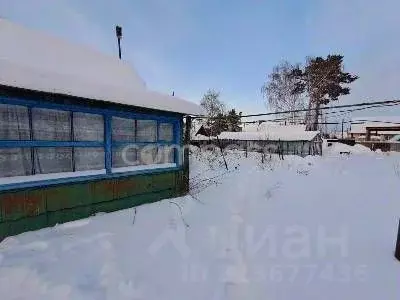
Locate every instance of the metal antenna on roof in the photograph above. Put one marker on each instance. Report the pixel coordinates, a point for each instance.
(118, 32)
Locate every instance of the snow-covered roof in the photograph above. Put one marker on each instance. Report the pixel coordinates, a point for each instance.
(196, 125)
(359, 124)
(35, 61)
(269, 135)
(255, 127)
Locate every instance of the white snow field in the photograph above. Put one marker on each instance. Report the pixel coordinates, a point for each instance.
(303, 228)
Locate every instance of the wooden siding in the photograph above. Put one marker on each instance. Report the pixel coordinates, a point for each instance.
(32, 209)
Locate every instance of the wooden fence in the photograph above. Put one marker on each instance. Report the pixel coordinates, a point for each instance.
(383, 146)
(301, 148)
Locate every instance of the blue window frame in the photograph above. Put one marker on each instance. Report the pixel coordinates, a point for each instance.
(86, 143)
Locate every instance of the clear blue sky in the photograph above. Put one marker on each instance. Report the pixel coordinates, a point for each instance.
(190, 46)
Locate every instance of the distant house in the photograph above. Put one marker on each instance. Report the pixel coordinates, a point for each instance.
(80, 133)
(380, 128)
(199, 132)
(199, 128)
(396, 138)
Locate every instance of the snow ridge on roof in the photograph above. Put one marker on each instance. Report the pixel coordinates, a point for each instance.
(35, 61)
(271, 136)
(271, 131)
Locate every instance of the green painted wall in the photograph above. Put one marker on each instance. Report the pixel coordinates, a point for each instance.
(32, 209)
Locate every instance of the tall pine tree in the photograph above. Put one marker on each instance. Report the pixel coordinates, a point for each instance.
(324, 81)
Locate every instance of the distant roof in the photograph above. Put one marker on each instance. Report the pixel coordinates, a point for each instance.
(35, 61)
(393, 119)
(359, 124)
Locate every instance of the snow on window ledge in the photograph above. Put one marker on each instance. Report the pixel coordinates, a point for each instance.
(79, 174)
(41, 177)
(144, 167)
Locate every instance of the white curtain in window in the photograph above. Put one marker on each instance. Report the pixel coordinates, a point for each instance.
(51, 124)
(124, 156)
(89, 159)
(123, 130)
(146, 131)
(88, 127)
(53, 160)
(15, 162)
(166, 132)
(165, 155)
(14, 122)
(147, 155)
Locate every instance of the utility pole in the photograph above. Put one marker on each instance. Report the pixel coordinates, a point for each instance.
(342, 128)
(397, 253)
(186, 153)
(118, 32)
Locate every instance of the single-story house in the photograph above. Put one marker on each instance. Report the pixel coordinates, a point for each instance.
(80, 133)
(359, 127)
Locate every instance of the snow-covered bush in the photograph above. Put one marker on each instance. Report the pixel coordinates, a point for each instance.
(267, 161)
(397, 169)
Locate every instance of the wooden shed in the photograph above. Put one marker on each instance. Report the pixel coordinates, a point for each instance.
(80, 133)
(293, 143)
(270, 138)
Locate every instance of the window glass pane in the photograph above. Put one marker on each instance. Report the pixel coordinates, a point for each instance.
(147, 155)
(123, 129)
(15, 162)
(166, 132)
(53, 160)
(88, 159)
(88, 127)
(51, 124)
(146, 131)
(165, 155)
(124, 157)
(14, 122)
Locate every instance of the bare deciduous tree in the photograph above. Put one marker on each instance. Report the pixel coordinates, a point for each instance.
(278, 91)
(211, 104)
(215, 109)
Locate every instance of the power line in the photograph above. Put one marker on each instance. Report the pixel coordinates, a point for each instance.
(363, 108)
(371, 104)
(325, 108)
(359, 107)
(373, 121)
(333, 113)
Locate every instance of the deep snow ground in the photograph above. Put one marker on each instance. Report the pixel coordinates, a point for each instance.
(312, 228)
